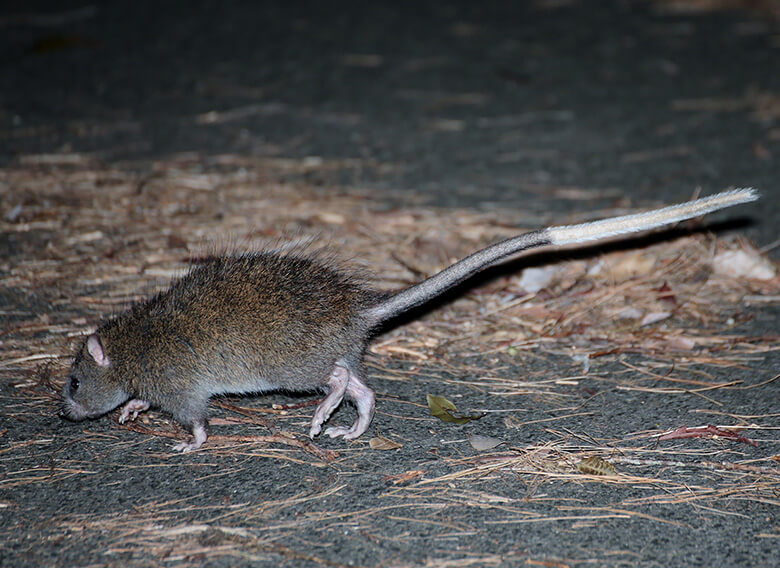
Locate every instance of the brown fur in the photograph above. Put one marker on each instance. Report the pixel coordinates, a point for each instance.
(234, 324)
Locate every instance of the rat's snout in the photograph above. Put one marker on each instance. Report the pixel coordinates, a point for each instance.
(72, 410)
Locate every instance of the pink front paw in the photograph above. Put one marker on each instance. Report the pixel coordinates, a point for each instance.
(133, 406)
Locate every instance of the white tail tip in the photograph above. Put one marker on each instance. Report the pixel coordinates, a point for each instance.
(651, 219)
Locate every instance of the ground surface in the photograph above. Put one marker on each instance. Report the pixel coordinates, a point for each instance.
(132, 135)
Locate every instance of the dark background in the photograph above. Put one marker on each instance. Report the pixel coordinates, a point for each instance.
(473, 103)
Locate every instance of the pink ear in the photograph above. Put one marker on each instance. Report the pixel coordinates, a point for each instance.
(95, 348)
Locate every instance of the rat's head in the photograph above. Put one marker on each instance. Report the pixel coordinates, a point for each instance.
(91, 389)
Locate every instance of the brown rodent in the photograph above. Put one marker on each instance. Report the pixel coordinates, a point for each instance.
(291, 321)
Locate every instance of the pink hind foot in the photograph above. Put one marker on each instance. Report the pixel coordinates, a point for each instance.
(344, 382)
(364, 400)
(198, 437)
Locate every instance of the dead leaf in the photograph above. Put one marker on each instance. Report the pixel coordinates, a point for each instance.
(534, 279)
(595, 465)
(482, 443)
(382, 443)
(443, 409)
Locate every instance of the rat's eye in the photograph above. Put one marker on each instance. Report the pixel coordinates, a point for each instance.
(74, 384)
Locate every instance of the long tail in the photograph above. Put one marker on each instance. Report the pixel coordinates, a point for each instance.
(567, 234)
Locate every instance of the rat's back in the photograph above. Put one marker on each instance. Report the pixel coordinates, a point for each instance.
(247, 323)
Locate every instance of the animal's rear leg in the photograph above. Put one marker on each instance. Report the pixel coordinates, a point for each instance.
(338, 381)
(198, 437)
(363, 396)
(192, 414)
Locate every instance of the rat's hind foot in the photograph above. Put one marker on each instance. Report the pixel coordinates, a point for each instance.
(336, 431)
(134, 406)
(198, 437)
(364, 400)
(338, 382)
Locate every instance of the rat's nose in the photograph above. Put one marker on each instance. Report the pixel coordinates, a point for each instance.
(71, 410)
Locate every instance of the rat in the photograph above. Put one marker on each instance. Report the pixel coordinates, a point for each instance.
(292, 321)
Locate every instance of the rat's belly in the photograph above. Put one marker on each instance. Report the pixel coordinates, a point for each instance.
(245, 386)
(243, 374)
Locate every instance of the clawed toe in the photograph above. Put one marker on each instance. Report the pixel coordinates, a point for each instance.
(336, 431)
(131, 410)
(198, 437)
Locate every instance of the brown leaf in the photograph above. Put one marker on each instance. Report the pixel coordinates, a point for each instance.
(382, 443)
(595, 465)
(443, 409)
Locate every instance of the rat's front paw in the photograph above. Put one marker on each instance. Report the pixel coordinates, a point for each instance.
(134, 407)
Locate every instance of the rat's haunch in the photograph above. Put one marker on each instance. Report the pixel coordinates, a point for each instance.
(291, 321)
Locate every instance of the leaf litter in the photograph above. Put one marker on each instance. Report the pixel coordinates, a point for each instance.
(92, 240)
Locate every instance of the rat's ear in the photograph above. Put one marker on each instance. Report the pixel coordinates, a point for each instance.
(95, 349)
